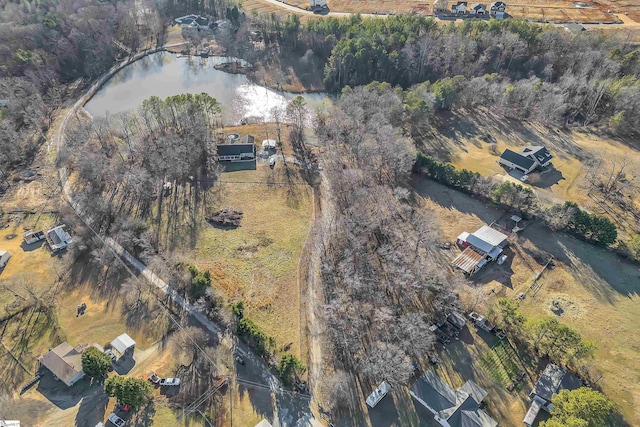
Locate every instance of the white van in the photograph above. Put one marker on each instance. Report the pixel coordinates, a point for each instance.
(4, 258)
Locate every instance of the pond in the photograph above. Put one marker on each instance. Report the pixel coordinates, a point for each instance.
(164, 74)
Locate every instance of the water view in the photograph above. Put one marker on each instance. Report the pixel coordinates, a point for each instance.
(164, 74)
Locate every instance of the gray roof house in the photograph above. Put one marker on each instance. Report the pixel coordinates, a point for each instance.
(452, 408)
(65, 363)
(526, 160)
(553, 379)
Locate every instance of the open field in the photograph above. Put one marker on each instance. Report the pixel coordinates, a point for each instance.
(471, 146)
(257, 263)
(595, 288)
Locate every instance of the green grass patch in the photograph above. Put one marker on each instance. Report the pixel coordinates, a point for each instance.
(501, 362)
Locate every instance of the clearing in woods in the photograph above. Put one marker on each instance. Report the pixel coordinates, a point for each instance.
(594, 288)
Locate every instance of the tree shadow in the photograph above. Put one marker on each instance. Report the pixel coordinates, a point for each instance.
(261, 400)
(546, 178)
(600, 271)
(92, 408)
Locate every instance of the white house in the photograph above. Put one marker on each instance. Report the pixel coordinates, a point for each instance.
(498, 9)
(58, 238)
(478, 9)
(459, 8)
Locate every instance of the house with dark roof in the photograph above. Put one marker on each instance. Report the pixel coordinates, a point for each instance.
(483, 245)
(498, 9)
(527, 160)
(478, 9)
(459, 7)
(245, 151)
(553, 379)
(65, 363)
(452, 408)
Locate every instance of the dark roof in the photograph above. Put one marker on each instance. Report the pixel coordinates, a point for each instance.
(434, 392)
(539, 152)
(247, 139)
(478, 6)
(517, 159)
(457, 319)
(553, 379)
(202, 21)
(460, 408)
(234, 149)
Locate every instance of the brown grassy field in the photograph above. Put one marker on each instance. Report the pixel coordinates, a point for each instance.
(466, 147)
(594, 287)
(257, 263)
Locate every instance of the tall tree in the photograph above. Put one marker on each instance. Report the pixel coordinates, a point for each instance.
(95, 363)
(583, 407)
(131, 391)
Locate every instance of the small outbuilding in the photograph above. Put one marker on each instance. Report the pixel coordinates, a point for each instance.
(122, 344)
(269, 144)
(4, 258)
(65, 363)
(378, 394)
(58, 238)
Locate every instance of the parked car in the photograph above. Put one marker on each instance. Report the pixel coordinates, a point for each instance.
(169, 381)
(239, 359)
(110, 354)
(116, 420)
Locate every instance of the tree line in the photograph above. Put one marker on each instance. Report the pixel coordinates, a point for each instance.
(515, 68)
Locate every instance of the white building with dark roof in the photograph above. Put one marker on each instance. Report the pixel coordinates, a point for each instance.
(527, 160)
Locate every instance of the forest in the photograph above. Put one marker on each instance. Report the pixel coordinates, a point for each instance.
(514, 68)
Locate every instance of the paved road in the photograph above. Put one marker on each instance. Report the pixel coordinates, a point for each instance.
(290, 409)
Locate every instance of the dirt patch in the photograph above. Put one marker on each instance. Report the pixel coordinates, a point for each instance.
(562, 305)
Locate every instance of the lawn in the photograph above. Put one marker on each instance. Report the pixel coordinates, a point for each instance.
(471, 146)
(257, 263)
(596, 290)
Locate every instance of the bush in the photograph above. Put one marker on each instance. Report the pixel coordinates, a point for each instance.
(261, 343)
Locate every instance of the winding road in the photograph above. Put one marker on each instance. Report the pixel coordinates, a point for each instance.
(291, 409)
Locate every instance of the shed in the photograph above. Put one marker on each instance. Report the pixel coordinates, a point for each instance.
(491, 236)
(462, 239)
(58, 238)
(469, 261)
(123, 343)
(378, 394)
(4, 258)
(65, 363)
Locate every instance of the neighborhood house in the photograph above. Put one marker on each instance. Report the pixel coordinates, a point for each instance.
(553, 379)
(378, 394)
(459, 8)
(481, 246)
(526, 160)
(498, 9)
(452, 408)
(65, 363)
(478, 9)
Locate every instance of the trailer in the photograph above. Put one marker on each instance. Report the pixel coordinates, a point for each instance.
(4, 258)
(31, 237)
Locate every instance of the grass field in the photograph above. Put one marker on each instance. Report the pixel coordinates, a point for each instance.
(257, 263)
(596, 289)
(572, 153)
